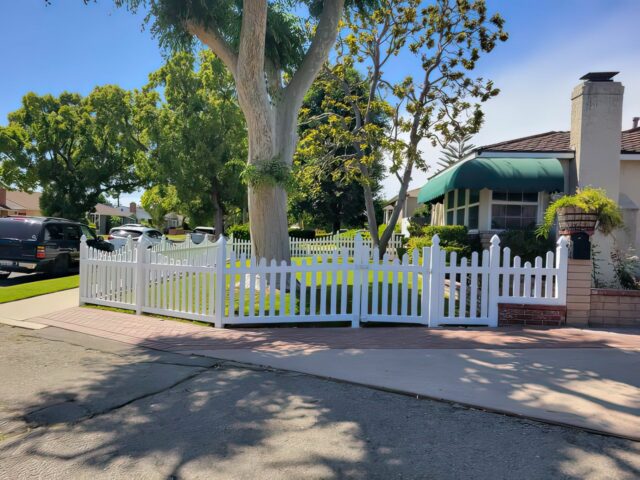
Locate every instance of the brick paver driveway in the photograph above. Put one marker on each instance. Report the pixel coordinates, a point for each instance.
(179, 336)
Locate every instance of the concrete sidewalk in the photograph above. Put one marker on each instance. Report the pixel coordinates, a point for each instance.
(21, 310)
(584, 378)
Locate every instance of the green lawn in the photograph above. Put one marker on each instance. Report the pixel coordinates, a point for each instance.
(41, 287)
(177, 238)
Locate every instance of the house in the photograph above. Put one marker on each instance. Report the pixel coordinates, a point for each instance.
(19, 203)
(136, 212)
(409, 207)
(508, 185)
(23, 203)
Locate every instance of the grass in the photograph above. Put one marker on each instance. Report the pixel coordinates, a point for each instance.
(41, 287)
(177, 238)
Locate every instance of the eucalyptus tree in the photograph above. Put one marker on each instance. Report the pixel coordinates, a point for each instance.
(444, 39)
(274, 56)
(74, 149)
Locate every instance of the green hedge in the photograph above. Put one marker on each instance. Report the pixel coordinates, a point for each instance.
(453, 238)
(300, 233)
(239, 232)
(526, 244)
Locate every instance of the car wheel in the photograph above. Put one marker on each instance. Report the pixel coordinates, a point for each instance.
(61, 265)
(4, 275)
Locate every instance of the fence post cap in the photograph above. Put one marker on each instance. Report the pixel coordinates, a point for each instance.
(435, 240)
(563, 241)
(495, 240)
(83, 239)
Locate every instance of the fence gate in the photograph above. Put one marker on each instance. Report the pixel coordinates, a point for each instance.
(215, 284)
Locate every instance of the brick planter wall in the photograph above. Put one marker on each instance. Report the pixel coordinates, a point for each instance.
(614, 307)
(531, 315)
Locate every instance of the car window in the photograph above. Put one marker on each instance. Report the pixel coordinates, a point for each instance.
(153, 234)
(72, 233)
(87, 232)
(121, 232)
(53, 231)
(20, 229)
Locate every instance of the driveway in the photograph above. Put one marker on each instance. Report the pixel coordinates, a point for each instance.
(83, 407)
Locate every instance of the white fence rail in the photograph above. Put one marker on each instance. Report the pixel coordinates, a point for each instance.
(218, 285)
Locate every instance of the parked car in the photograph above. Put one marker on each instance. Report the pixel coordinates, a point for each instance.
(200, 233)
(43, 244)
(139, 233)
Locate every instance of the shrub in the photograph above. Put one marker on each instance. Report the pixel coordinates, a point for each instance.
(453, 238)
(300, 233)
(449, 234)
(239, 232)
(526, 244)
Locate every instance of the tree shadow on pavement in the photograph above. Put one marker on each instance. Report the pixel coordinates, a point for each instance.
(232, 421)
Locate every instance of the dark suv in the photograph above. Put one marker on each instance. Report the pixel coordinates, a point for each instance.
(43, 244)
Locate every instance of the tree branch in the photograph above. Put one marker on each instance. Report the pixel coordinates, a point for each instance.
(216, 43)
(325, 37)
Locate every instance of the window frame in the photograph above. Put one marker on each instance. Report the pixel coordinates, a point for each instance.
(521, 203)
(456, 206)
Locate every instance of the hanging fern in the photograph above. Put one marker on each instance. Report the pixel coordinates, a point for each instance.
(591, 200)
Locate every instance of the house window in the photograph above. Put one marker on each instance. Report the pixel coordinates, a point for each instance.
(462, 208)
(514, 210)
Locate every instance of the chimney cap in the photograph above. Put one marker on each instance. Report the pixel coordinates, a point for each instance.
(599, 76)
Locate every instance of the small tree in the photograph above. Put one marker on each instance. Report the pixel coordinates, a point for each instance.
(446, 39)
(456, 150)
(76, 149)
(158, 201)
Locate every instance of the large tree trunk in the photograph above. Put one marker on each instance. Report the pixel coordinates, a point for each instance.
(218, 214)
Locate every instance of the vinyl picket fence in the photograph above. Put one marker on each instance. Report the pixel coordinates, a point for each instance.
(187, 250)
(214, 283)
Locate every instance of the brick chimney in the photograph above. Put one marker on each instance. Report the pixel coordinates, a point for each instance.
(132, 208)
(596, 123)
(3, 196)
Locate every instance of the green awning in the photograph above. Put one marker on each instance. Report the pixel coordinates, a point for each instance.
(514, 174)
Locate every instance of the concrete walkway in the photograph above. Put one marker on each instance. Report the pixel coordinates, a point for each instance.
(584, 378)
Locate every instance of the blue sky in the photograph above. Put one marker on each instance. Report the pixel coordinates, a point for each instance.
(70, 46)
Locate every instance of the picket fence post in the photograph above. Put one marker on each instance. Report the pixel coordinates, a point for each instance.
(219, 282)
(562, 256)
(141, 284)
(358, 281)
(83, 268)
(494, 280)
(435, 280)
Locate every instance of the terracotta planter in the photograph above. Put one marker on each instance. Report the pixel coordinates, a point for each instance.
(575, 220)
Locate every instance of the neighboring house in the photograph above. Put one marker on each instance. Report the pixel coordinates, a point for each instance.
(137, 212)
(508, 185)
(23, 203)
(102, 214)
(19, 203)
(410, 204)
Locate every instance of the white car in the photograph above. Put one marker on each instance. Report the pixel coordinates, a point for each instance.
(118, 235)
(200, 233)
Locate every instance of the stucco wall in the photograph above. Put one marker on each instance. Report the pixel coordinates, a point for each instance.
(630, 186)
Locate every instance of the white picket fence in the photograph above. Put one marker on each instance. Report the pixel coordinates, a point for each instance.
(299, 247)
(224, 288)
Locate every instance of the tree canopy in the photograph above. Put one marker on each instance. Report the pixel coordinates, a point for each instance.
(76, 149)
(197, 136)
(445, 38)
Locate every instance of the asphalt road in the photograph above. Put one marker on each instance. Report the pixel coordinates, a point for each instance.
(75, 406)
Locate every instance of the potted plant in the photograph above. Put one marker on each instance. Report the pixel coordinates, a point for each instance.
(587, 211)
